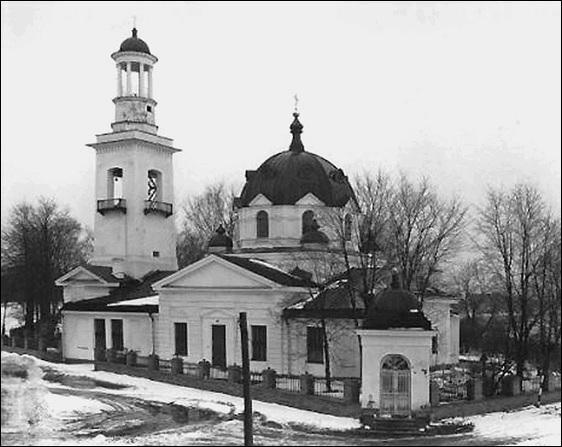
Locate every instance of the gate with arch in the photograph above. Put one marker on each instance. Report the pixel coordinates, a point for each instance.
(395, 386)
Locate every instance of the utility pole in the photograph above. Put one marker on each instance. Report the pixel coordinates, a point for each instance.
(248, 430)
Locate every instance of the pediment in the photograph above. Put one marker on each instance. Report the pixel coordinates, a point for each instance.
(214, 272)
(260, 200)
(81, 275)
(310, 199)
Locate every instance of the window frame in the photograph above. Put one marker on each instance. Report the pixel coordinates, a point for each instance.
(262, 224)
(255, 330)
(176, 350)
(114, 331)
(314, 356)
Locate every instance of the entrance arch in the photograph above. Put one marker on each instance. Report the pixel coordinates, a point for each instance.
(395, 386)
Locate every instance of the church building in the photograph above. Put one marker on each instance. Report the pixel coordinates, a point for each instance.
(293, 262)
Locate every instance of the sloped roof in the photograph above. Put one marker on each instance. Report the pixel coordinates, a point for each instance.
(129, 290)
(269, 271)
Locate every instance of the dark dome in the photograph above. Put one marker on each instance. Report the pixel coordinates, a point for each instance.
(288, 176)
(134, 44)
(220, 239)
(314, 237)
(394, 307)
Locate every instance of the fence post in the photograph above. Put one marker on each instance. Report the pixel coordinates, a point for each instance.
(234, 373)
(110, 355)
(351, 389)
(269, 378)
(307, 383)
(131, 358)
(26, 341)
(474, 389)
(433, 393)
(153, 362)
(177, 365)
(511, 385)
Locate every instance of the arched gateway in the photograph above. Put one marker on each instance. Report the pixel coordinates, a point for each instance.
(395, 386)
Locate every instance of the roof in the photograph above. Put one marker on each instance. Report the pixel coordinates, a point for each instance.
(288, 176)
(134, 44)
(394, 307)
(102, 271)
(125, 298)
(268, 271)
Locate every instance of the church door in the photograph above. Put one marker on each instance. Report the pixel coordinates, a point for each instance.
(219, 345)
(99, 338)
(395, 386)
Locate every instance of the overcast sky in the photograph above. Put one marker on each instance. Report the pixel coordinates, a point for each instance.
(466, 93)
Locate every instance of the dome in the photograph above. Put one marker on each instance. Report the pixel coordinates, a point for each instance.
(288, 176)
(220, 240)
(134, 44)
(394, 307)
(314, 235)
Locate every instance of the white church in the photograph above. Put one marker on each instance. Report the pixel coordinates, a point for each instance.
(283, 265)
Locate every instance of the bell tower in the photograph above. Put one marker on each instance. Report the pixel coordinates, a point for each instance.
(134, 223)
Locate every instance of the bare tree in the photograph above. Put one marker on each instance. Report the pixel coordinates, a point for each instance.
(512, 227)
(425, 231)
(39, 244)
(201, 215)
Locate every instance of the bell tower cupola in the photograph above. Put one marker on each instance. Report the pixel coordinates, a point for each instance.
(134, 103)
(134, 230)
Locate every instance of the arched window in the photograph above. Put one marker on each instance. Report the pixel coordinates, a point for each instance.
(262, 224)
(115, 183)
(307, 219)
(154, 193)
(347, 227)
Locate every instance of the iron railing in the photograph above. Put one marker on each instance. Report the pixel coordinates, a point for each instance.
(156, 207)
(106, 205)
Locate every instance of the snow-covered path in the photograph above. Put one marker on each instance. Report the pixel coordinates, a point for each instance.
(113, 409)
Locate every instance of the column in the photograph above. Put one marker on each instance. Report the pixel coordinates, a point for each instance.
(119, 80)
(149, 81)
(141, 80)
(129, 79)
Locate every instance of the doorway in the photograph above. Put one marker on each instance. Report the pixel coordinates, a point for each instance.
(395, 386)
(219, 345)
(99, 339)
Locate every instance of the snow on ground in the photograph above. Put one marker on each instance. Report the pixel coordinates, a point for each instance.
(540, 426)
(64, 407)
(222, 403)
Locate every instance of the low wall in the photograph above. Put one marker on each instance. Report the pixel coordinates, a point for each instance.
(491, 404)
(259, 392)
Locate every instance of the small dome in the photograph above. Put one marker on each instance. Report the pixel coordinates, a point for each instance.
(134, 44)
(395, 307)
(220, 240)
(288, 176)
(314, 235)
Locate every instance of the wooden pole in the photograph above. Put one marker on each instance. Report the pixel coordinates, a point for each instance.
(248, 430)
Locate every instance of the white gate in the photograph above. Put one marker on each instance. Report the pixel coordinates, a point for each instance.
(395, 386)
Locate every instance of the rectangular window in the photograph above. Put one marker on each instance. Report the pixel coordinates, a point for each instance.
(314, 345)
(180, 330)
(117, 334)
(259, 343)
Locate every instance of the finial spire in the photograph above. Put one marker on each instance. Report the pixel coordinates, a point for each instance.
(296, 103)
(296, 129)
(134, 26)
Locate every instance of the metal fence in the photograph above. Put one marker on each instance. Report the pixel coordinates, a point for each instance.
(335, 389)
(255, 377)
(288, 382)
(218, 373)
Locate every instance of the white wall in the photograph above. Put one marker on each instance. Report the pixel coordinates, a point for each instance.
(78, 333)
(413, 344)
(343, 346)
(200, 309)
(438, 311)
